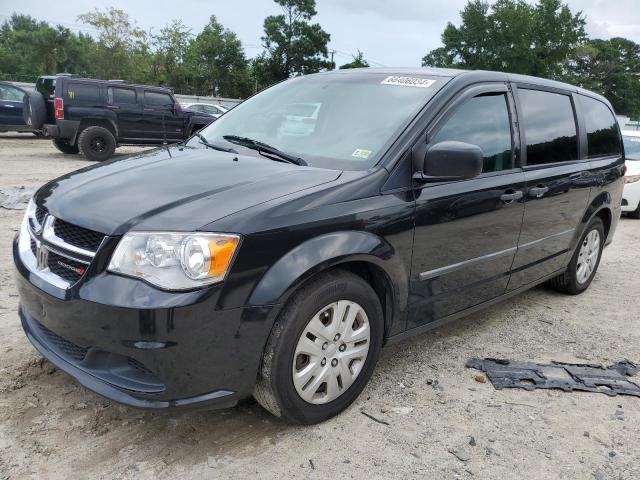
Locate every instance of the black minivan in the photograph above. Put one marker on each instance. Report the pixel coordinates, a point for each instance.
(275, 253)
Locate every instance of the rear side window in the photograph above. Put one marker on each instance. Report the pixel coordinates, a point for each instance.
(482, 121)
(602, 128)
(10, 93)
(83, 92)
(549, 126)
(157, 99)
(119, 96)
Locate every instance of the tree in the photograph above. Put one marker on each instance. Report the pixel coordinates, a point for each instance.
(171, 47)
(611, 68)
(358, 62)
(122, 49)
(29, 48)
(512, 36)
(293, 45)
(218, 63)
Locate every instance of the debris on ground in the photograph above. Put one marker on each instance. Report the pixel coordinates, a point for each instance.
(611, 380)
(461, 453)
(15, 198)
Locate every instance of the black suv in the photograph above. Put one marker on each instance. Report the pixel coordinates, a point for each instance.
(95, 116)
(276, 253)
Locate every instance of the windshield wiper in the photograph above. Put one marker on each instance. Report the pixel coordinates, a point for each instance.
(264, 149)
(204, 142)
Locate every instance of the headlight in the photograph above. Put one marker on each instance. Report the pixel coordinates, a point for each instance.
(175, 261)
(631, 178)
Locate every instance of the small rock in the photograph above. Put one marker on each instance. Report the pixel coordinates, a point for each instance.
(480, 378)
(402, 410)
(385, 409)
(346, 461)
(461, 453)
(599, 475)
(472, 441)
(612, 454)
(586, 434)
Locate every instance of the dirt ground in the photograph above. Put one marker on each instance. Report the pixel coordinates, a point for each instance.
(50, 427)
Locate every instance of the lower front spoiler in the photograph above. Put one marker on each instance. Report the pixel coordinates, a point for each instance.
(216, 399)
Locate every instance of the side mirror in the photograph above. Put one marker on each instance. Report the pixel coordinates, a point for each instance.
(448, 161)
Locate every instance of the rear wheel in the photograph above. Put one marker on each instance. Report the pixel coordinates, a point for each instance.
(65, 147)
(96, 143)
(322, 350)
(635, 213)
(585, 261)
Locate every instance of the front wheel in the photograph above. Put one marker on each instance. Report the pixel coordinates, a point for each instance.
(585, 261)
(322, 349)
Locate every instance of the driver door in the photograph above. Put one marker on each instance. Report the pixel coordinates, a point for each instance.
(466, 232)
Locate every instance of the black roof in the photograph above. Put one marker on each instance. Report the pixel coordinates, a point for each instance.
(101, 81)
(472, 76)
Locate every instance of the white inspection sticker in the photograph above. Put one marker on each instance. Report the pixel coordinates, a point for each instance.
(408, 81)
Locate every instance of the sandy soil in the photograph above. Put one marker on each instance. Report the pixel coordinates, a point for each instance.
(50, 427)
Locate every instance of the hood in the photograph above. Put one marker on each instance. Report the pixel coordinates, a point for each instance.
(179, 189)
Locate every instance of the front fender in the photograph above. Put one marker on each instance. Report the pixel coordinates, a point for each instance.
(329, 250)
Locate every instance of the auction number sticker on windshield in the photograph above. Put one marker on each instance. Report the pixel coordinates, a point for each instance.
(408, 81)
(361, 153)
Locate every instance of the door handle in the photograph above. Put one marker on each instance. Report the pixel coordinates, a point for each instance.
(538, 191)
(510, 196)
(113, 107)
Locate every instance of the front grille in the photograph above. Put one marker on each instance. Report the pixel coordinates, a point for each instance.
(63, 346)
(40, 213)
(113, 368)
(65, 267)
(77, 236)
(135, 364)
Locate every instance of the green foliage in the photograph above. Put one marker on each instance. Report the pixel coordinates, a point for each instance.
(217, 62)
(358, 62)
(28, 48)
(611, 68)
(512, 36)
(293, 45)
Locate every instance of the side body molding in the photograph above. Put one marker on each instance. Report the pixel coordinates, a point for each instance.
(328, 250)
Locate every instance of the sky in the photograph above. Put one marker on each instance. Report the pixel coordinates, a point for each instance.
(391, 33)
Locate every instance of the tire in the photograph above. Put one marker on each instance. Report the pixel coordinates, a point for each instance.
(34, 110)
(636, 213)
(323, 296)
(574, 281)
(65, 147)
(96, 143)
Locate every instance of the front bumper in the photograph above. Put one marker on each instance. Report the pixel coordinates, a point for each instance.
(143, 347)
(631, 197)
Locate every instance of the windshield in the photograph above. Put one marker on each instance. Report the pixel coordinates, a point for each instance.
(631, 147)
(339, 121)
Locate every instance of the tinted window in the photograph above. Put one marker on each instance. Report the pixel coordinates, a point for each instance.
(83, 92)
(10, 93)
(549, 126)
(196, 108)
(602, 128)
(632, 148)
(122, 95)
(482, 121)
(157, 99)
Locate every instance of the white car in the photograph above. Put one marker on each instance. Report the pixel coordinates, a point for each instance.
(214, 110)
(631, 194)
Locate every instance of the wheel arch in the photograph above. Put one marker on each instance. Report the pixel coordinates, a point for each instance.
(364, 254)
(96, 122)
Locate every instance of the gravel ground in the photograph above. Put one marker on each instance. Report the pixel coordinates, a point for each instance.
(439, 421)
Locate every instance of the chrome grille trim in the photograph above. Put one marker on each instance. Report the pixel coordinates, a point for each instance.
(46, 241)
(49, 236)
